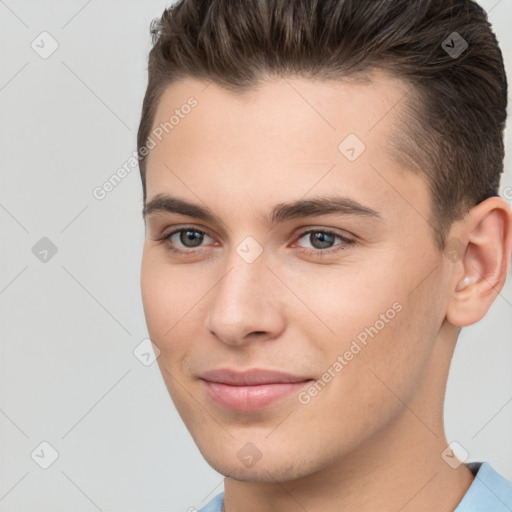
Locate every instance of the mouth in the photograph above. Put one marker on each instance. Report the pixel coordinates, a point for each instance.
(252, 390)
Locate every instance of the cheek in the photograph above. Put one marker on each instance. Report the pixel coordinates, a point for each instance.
(166, 301)
(361, 397)
(169, 297)
(395, 356)
(380, 329)
(153, 296)
(341, 301)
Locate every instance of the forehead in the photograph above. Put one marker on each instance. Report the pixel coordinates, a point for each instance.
(293, 108)
(285, 138)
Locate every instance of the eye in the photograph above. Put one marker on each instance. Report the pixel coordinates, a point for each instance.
(189, 240)
(321, 241)
(188, 237)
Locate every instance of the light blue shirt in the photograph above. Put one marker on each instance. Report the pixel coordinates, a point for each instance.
(489, 492)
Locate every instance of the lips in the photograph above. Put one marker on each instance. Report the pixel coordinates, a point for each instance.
(251, 377)
(251, 390)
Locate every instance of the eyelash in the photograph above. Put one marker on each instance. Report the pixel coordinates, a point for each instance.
(317, 253)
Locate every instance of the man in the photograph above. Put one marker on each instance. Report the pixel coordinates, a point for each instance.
(321, 201)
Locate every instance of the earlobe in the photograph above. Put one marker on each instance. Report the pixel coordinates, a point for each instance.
(484, 262)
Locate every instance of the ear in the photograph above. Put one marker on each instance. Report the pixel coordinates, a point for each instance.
(480, 253)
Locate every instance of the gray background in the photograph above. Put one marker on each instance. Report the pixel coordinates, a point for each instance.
(69, 325)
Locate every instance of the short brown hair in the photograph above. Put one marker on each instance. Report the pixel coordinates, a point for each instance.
(453, 131)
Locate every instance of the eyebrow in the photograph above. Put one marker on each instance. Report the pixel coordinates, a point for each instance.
(322, 205)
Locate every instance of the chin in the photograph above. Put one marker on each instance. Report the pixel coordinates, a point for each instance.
(267, 469)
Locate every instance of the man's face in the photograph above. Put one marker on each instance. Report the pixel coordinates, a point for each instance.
(355, 304)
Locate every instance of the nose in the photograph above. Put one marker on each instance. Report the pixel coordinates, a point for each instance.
(246, 303)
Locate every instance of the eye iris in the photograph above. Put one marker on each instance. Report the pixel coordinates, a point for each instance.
(323, 238)
(188, 235)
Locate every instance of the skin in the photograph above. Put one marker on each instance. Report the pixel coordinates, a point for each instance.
(372, 438)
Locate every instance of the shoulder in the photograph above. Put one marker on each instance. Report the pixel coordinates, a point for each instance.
(214, 505)
(489, 491)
